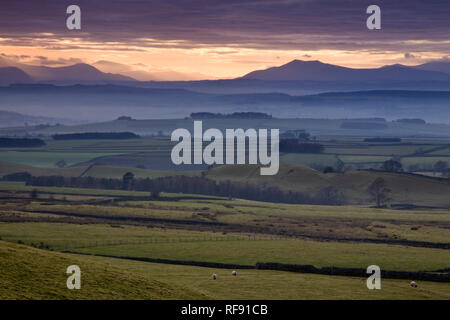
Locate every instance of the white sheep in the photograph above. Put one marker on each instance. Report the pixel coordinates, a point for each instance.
(234, 273)
(214, 276)
(413, 284)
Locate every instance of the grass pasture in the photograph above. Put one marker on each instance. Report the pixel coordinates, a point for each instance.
(44, 277)
(107, 278)
(235, 248)
(48, 159)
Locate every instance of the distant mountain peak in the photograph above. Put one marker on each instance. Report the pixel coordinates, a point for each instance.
(79, 72)
(300, 70)
(83, 65)
(436, 65)
(10, 75)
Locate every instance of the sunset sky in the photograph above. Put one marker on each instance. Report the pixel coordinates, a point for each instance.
(208, 39)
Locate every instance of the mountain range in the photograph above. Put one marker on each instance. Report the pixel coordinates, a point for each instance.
(296, 70)
(78, 73)
(307, 89)
(10, 75)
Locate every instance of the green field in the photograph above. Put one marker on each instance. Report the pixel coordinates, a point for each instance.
(154, 153)
(237, 248)
(48, 159)
(43, 277)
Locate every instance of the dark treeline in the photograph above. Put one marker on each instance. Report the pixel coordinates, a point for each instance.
(21, 142)
(195, 185)
(17, 176)
(382, 140)
(412, 121)
(295, 146)
(96, 135)
(363, 125)
(355, 272)
(235, 115)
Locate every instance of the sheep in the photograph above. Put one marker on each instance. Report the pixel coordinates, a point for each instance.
(234, 273)
(413, 284)
(214, 276)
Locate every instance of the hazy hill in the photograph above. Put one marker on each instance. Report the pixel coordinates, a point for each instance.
(90, 102)
(13, 119)
(77, 72)
(298, 70)
(439, 66)
(13, 75)
(15, 72)
(317, 127)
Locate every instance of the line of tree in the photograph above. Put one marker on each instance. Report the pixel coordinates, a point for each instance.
(392, 166)
(234, 115)
(382, 140)
(95, 136)
(21, 142)
(298, 134)
(195, 185)
(412, 121)
(17, 176)
(363, 125)
(295, 146)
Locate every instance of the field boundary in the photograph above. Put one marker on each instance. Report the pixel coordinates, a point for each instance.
(356, 272)
(176, 262)
(333, 271)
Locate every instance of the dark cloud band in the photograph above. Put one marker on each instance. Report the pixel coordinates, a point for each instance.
(411, 25)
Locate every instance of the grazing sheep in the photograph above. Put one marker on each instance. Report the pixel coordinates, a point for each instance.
(413, 284)
(214, 276)
(234, 273)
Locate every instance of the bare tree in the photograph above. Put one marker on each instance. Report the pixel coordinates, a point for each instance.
(127, 180)
(440, 166)
(61, 164)
(392, 166)
(379, 191)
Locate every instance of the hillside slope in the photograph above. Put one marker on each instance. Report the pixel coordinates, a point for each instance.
(406, 188)
(8, 168)
(29, 273)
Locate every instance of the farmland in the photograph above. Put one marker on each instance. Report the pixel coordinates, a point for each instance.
(246, 231)
(107, 278)
(103, 229)
(415, 154)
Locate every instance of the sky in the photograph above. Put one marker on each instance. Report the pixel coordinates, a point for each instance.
(210, 39)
